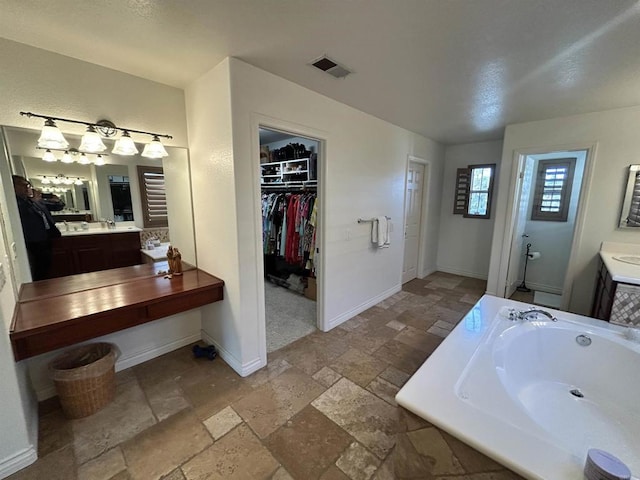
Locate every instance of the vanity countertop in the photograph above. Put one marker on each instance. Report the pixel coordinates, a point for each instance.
(158, 253)
(96, 231)
(621, 271)
(51, 314)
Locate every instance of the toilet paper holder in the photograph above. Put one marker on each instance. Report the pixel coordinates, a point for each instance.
(529, 255)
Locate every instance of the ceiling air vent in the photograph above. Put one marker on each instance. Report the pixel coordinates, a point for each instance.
(327, 65)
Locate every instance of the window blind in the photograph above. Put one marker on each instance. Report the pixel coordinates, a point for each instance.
(154, 199)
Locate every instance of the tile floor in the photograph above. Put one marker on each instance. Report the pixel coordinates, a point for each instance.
(323, 408)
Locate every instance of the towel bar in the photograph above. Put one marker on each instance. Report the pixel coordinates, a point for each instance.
(370, 220)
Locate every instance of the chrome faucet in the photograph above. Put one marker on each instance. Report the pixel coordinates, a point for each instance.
(524, 315)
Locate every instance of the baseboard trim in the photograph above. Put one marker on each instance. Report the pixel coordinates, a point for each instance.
(463, 273)
(132, 360)
(334, 322)
(426, 273)
(540, 287)
(18, 461)
(241, 369)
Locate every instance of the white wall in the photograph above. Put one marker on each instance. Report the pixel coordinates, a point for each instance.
(464, 244)
(35, 80)
(18, 437)
(615, 134)
(552, 239)
(208, 102)
(363, 176)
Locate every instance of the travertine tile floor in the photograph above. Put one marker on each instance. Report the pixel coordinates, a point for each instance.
(323, 408)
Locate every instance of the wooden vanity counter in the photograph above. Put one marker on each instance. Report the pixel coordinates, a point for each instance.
(59, 312)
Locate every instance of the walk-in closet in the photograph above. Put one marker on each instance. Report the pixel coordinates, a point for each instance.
(290, 213)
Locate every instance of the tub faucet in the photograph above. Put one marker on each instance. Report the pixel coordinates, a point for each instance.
(524, 315)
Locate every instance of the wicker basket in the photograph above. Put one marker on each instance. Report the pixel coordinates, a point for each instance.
(85, 378)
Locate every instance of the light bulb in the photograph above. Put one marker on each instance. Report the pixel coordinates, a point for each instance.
(154, 149)
(66, 158)
(91, 141)
(124, 145)
(51, 136)
(49, 156)
(99, 160)
(83, 160)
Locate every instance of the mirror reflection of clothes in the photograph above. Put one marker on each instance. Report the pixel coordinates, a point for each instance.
(39, 230)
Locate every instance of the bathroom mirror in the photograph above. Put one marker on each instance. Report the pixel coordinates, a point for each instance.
(630, 214)
(103, 192)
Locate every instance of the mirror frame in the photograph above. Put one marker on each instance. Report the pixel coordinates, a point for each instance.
(633, 172)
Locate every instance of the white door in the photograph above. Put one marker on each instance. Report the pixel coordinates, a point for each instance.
(412, 216)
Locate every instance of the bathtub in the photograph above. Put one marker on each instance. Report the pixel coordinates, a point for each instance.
(528, 395)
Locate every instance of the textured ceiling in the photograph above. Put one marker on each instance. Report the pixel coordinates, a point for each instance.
(453, 70)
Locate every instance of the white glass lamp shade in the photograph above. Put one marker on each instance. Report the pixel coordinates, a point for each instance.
(49, 156)
(68, 181)
(91, 141)
(154, 149)
(67, 158)
(56, 181)
(124, 145)
(83, 160)
(45, 181)
(79, 182)
(99, 161)
(51, 136)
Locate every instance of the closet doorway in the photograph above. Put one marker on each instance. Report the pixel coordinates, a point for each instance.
(290, 214)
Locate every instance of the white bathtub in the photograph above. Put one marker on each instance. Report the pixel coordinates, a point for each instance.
(504, 388)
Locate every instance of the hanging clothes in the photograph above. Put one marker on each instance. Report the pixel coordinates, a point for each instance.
(289, 224)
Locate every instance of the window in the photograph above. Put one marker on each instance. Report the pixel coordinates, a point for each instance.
(154, 199)
(552, 193)
(474, 186)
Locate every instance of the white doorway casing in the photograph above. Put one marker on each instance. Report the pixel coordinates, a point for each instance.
(421, 228)
(414, 187)
(261, 121)
(509, 235)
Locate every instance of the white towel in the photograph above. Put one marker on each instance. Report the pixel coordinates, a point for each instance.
(380, 232)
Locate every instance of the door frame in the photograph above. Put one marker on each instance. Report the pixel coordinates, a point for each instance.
(515, 187)
(262, 121)
(424, 215)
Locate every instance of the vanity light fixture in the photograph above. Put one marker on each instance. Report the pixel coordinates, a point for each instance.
(70, 155)
(124, 145)
(66, 158)
(154, 149)
(49, 156)
(99, 161)
(92, 141)
(51, 136)
(60, 179)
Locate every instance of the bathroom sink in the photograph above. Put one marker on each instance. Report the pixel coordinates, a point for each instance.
(633, 259)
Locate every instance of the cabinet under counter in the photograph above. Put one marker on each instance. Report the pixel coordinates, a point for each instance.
(617, 292)
(80, 252)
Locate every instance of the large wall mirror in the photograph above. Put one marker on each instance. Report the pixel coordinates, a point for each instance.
(630, 214)
(92, 195)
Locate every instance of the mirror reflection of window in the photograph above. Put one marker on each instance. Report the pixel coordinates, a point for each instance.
(121, 198)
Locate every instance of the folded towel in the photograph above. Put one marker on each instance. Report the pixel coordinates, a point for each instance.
(380, 232)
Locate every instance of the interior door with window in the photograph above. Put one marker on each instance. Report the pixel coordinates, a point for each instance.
(413, 216)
